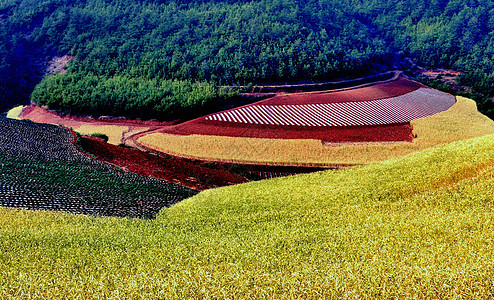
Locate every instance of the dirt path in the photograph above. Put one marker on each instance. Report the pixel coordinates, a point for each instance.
(132, 139)
(340, 85)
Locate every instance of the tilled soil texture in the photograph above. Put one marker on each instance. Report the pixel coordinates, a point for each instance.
(369, 93)
(41, 168)
(266, 118)
(183, 172)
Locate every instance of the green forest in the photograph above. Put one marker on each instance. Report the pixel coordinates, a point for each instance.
(162, 59)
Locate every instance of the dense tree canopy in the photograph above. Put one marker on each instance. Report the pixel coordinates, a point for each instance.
(152, 58)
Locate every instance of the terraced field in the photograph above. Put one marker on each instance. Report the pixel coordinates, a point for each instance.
(378, 113)
(41, 168)
(420, 103)
(419, 226)
(186, 173)
(324, 129)
(339, 128)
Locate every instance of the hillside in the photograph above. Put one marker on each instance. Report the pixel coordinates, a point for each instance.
(167, 59)
(417, 227)
(410, 217)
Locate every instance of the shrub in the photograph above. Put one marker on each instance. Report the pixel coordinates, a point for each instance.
(102, 136)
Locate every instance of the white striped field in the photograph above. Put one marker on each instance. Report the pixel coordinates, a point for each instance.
(420, 103)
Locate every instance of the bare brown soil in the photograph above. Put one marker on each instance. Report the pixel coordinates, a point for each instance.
(368, 93)
(42, 115)
(193, 173)
(446, 76)
(379, 133)
(58, 64)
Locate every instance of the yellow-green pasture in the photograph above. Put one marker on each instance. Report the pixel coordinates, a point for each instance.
(461, 121)
(15, 112)
(416, 227)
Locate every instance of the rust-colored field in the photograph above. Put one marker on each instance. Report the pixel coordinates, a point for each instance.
(179, 171)
(117, 129)
(41, 115)
(379, 133)
(461, 121)
(349, 128)
(341, 127)
(374, 92)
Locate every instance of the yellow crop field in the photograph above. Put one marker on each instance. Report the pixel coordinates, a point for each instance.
(15, 112)
(115, 133)
(462, 121)
(417, 227)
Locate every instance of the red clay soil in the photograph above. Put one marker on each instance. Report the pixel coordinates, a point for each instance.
(41, 115)
(176, 170)
(395, 88)
(378, 133)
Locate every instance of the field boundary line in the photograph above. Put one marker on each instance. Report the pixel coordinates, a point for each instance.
(321, 86)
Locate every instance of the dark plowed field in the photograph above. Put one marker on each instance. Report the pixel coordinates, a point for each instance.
(379, 133)
(40, 168)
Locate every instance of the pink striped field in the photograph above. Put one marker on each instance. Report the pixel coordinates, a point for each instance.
(417, 104)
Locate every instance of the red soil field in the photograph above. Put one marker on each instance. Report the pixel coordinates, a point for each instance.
(41, 115)
(362, 133)
(374, 92)
(378, 133)
(176, 170)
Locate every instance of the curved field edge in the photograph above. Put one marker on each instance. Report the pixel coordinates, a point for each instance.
(117, 131)
(461, 121)
(419, 226)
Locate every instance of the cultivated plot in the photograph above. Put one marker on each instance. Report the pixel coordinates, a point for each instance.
(377, 113)
(41, 168)
(401, 109)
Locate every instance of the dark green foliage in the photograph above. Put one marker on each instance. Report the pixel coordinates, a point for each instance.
(102, 136)
(122, 95)
(158, 59)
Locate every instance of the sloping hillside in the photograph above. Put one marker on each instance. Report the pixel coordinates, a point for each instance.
(420, 226)
(165, 59)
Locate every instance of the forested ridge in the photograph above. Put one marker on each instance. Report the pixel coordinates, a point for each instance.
(162, 59)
